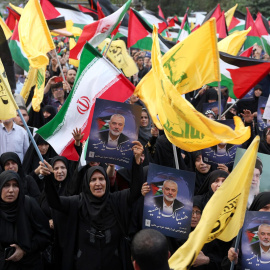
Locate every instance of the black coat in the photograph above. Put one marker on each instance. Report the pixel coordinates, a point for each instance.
(105, 135)
(159, 203)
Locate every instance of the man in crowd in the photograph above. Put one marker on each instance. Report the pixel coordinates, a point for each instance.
(149, 251)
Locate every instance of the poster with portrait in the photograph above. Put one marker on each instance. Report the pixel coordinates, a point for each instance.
(114, 126)
(255, 241)
(261, 122)
(213, 106)
(221, 153)
(168, 205)
(261, 175)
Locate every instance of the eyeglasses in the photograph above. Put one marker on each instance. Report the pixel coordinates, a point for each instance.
(197, 212)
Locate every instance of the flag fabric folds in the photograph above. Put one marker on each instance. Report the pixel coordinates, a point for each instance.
(224, 214)
(185, 30)
(35, 37)
(8, 105)
(96, 32)
(240, 74)
(229, 15)
(234, 42)
(183, 125)
(237, 22)
(5, 28)
(78, 109)
(179, 64)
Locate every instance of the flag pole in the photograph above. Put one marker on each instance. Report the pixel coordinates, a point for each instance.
(62, 74)
(219, 101)
(175, 157)
(32, 139)
(230, 107)
(109, 46)
(237, 242)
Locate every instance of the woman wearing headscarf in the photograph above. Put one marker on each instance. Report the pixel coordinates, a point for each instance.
(49, 113)
(145, 128)
(31, 160)
(92, 226)
(24, 228)
(264, 146)
(213, 181)
(261, 203)
(11, 161)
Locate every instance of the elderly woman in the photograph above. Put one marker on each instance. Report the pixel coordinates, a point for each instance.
(24, 228)
(11, 161)
(92, 226)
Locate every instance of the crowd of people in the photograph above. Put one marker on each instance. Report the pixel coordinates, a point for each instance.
(58, 215)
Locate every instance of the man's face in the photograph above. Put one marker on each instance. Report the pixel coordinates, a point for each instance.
(170, 191)
(140, 62)
(264, 236)
(256, 178)
(58, 93)
(18, 120)
(116, 125)
(65, 70)
(71, 74)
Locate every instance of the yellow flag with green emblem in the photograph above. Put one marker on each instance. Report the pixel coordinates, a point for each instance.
(183, 125)
(224, 214)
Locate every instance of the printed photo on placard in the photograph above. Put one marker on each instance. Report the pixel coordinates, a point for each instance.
(168, 206)
(114, 126)
(223, 153)
(213, 106)
(255, 241)
(261, 122)
(261, 175)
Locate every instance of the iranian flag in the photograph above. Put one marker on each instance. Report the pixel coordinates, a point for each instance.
(185, 30)
(240, 74)
(96, 78)
(96, 32)
(17, 53)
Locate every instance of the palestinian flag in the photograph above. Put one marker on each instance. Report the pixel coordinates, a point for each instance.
(252, 235)
(140, 34)
(185, 30)
(222, 31)
(160, 12)
(12, 18)
(96, 78)
(103, 122)
(263, 28)
(237, 22)
(93, 13)
(156, 188)
(17, 53)
(247, 52)
(79, 18)
(241, 74)
(214, 13)
(96, 32)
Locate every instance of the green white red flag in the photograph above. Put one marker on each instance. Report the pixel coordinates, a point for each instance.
(96, 78)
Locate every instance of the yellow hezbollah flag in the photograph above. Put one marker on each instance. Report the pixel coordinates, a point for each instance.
(35, 37)
(39, 89)
(5, 28)
(224, 214)
(72, 44)
(229, 15)
(234, 42)
(118, 55)
(183, 125)
(191, 63)
(8, 105)
(29, 82)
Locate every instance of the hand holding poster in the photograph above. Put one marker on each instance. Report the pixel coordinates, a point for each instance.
(114, 126)
(168, 206)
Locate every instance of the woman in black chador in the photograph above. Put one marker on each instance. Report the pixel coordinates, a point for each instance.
(92, 226)
(24, 229)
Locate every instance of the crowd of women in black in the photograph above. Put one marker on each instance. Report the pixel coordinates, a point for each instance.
(58, 215)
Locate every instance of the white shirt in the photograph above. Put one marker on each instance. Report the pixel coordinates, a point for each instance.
(221, 150)
(111, 142)
(265, 255)
(167, 209)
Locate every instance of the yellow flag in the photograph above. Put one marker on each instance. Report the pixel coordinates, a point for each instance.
(29, 82)
(35, 37)
(234, 42)
(71, 61)
(8, 105)
(5, 28)
(191, 63)
(183, 125)
(39, 89)
(224, 214)
(19, 10)
(118, 55)
(229, 15)
(192, 26)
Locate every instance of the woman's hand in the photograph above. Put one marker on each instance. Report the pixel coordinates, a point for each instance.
(232, 255)
(45, 168)
(145, 188)
(137, 151)
(51, 224)
(223, 167)
(17, 255)
(77, 136)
